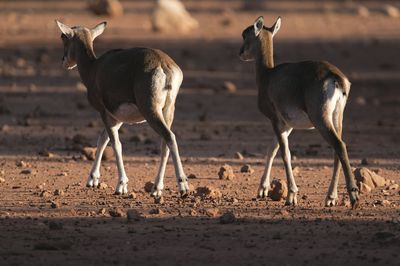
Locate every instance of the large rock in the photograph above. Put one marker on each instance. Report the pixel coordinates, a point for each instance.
(112, 8)
(369, 178)
(363, 175)
(148, 187)
(226, 172)
(279, 190)
(172, 16)
(208, 192)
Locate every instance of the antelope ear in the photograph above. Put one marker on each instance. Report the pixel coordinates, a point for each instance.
(98, 29)
(258, 25)
(277, 25)
(65, 29)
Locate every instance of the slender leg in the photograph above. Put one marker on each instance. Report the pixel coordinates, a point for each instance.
(159, 182)
(332, 196)
(122, 185)
(94, 176)
(158, 124)
(265, 179)
(282, 137)
(341, 151)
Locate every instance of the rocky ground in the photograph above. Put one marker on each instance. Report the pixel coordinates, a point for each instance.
(47, 216)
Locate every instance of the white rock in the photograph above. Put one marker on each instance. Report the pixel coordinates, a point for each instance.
(172, 16)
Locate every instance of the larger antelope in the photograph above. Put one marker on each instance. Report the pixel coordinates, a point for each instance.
(303, 95)
(127, 86)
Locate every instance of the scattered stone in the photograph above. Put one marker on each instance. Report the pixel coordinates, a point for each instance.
(132, 195)
(54, 204)
(171, 16)
(246, 169)
(226, 172)
(59, 192)
(192, 176)
(296, 171)
(383, 202)
(229, 87)
(364, 188)
(89, 153)
(102, 211)
(156, 211)
(366, 161)
(53, 225)
(133, 215)
(108, 154)
(26, 172)
(21, 164)
(46, 153)
(192, 212)
(212, 212)
(2, 180)
(227, 218)
(391, 11)
(102, 185)
(208, 192)
(239, 156)
(148, 187)
(362, 11)
(279, 190)
(111, 8)
(117, 212)
(391, 187)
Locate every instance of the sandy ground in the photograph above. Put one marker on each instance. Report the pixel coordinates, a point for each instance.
(42, 108)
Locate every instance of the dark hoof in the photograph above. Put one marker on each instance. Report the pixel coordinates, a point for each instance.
(355, 204)
(184, 194)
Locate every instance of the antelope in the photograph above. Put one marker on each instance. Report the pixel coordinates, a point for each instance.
(127, 86)
(302, 95)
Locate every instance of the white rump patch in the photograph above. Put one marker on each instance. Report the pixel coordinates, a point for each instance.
(128, 113)
(334, 96)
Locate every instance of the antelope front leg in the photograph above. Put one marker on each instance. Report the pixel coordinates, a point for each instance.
(284, 147)
(159, 182)
(265, 179)
(122, 185)
(94, 176)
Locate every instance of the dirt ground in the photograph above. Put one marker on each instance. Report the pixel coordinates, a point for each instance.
(43, 106)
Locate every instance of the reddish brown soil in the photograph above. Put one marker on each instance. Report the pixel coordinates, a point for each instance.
(41, 108)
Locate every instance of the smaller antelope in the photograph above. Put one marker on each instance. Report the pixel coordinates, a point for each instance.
(127, 86)
(303, 95)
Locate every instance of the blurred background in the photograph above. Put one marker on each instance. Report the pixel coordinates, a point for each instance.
(43, 106)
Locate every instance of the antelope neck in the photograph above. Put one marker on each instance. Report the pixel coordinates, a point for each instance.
(265, 56)
(85, 60)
